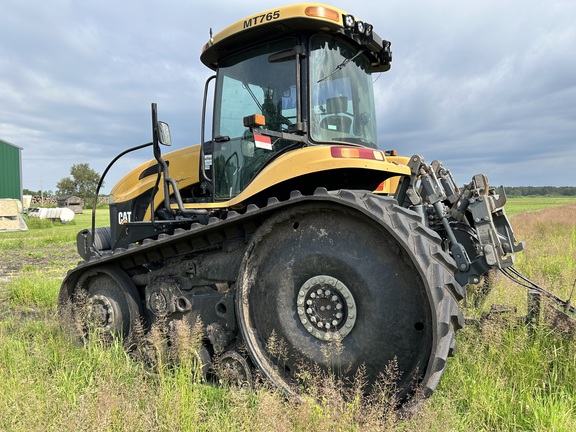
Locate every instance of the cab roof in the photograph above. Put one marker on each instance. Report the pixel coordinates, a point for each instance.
(269, 24)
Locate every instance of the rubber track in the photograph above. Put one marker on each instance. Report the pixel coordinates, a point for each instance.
(423, 245)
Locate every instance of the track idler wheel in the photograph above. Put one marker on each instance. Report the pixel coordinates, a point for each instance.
(105, 303)
(364, 281)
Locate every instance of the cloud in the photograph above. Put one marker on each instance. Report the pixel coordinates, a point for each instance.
(491, 88)
(484, 86)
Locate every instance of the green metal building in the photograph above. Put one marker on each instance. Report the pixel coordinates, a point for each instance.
(10, 171)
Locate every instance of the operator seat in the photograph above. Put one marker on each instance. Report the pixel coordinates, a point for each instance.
(335, 106)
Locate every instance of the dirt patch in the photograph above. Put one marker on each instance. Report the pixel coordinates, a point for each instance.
(14, 262)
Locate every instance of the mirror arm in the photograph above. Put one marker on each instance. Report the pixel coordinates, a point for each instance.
(168, 181)
(101, 181)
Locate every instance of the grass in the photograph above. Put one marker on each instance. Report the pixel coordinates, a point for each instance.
(535, 203)
(504, 377)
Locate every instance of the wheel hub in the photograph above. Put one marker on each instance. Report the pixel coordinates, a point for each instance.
(326, 307)
(101, 312)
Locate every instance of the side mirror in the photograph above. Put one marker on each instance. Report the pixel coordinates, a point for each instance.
(164, 134)
(160, 130)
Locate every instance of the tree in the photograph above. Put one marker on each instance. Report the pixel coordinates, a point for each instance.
(83, 182)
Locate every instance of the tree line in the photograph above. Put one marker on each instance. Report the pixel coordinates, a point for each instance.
(524, 191)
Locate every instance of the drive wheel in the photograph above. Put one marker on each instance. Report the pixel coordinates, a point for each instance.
(323, 278)
(106, 304)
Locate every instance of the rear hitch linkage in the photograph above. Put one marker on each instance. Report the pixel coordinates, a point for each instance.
(470, 220)
(472, 224)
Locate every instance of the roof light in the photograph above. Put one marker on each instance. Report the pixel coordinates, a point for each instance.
(322, 12)
(369, 29)
(356, 153)
(349, 21)
(360, 28)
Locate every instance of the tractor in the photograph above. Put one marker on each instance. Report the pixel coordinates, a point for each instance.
(288, 222)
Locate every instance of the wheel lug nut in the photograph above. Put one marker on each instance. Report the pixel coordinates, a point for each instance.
(338, 306)
(334, 323)
(327, 325)
(313, 319)
(309, 311)
(334, 298)
(327, 293)
(319, 292)
(320, 324)
(339, 315)
(309, 302)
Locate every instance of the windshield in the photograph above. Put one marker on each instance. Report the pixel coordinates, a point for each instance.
(249, 83)
(342, 101)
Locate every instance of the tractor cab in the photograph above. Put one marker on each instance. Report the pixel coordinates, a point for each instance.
(289, 78)
(293, 109)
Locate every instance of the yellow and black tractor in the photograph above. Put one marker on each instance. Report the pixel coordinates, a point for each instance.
(287, 221)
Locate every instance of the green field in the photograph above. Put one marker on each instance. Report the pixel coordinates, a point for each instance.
(533, 203)
(503, 377)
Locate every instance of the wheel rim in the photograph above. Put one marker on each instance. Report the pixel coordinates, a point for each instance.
(385, 316)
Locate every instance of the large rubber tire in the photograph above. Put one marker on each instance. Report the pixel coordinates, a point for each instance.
(400, 293)
(107, 303)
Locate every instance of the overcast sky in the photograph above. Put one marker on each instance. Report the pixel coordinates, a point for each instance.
(482, 85)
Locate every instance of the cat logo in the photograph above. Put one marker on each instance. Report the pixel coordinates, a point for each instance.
(124, 217)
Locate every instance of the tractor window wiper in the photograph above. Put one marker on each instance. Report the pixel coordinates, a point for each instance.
(341, 65)
(256, 101)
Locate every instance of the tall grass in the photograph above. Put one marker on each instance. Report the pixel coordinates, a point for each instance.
(503, 377)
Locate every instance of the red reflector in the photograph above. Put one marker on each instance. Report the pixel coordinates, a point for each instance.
(356, 153)
(262, 141)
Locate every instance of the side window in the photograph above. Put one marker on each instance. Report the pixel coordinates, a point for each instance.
(250, 83)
